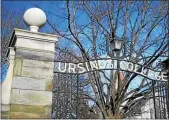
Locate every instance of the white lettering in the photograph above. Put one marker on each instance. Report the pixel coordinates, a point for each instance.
(64, 70)
(86, 63)
(72, 67)
(123, 65)
(143, 71)
(82, 69)
(130, 66)
(111, 64)
(94, 65)
(158, 77)
(164, 76)
(102, 64)
(136, 68)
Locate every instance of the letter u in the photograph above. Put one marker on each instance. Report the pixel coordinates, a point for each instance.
(64, 70)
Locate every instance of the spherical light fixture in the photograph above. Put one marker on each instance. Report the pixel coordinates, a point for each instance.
(34, 18)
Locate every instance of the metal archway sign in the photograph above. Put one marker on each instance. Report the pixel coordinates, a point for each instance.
(66, 93)
(109, 64)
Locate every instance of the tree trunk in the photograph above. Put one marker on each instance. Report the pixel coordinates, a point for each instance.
(111, 116)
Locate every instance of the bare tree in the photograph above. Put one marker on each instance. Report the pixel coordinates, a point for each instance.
(143, 26)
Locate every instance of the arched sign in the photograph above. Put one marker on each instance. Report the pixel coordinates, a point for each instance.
(109, 64)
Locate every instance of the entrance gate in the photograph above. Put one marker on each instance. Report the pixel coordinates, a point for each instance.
(66, 98)
(157, 107)
(160, 99)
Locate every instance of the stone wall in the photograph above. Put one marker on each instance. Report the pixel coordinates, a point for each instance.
(31, 94)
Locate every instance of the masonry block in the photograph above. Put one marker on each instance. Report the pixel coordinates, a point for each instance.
(29, 83)
(27, 108)
(23, 115)
(4, 115)
(18, 66)
(48, 110)
(4, 107)
(33, 54)
(30, 97)
(14, 96)
(37, 72)
(38, 63)
(49, 85)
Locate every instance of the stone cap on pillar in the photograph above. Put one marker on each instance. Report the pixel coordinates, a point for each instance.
(33, 42)
(19, 39)
(20, 33)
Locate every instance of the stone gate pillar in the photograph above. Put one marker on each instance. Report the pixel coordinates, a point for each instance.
(27, 89)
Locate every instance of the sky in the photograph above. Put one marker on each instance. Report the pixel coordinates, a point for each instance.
(47, 7)
(19, 5)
